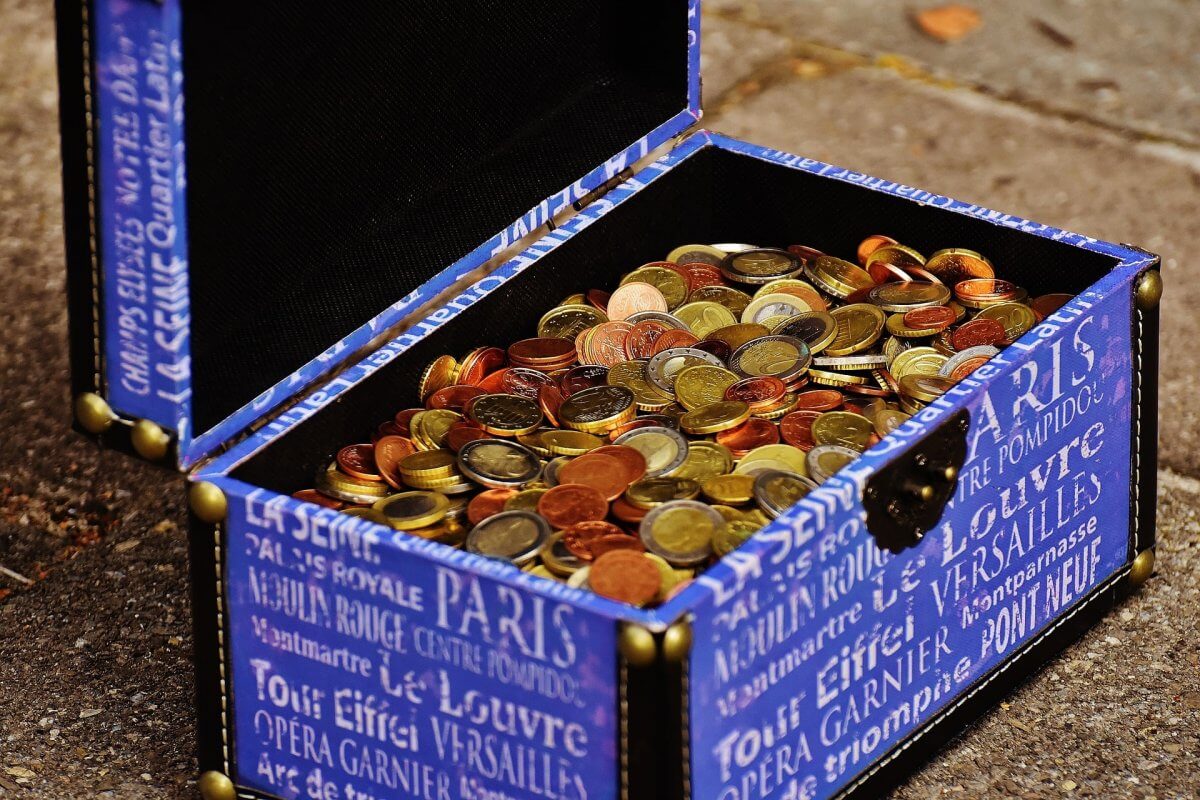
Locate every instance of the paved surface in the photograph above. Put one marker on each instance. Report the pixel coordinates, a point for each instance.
(1083, 115)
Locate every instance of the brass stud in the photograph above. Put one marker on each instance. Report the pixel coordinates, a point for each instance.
(1142, 568)
(93, 413)
(149, 440)
(637, 645)
(677, 642)
(208, 502)
(950, 473)
(216, 786)
(1149, 289)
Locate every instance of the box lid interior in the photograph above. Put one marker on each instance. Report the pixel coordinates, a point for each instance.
(341, 157)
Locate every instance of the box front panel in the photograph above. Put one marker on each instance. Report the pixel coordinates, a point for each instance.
(361, 669)
(819, 652)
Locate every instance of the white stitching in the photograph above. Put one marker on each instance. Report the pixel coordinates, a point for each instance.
(1118, 576)
(91, 186)
(686, 729)
(225, 731)
(1137, 430)
(623, 709)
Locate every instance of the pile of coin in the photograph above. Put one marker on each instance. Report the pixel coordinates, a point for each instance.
(642, 434)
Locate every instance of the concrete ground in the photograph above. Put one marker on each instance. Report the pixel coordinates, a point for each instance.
(1085, 115)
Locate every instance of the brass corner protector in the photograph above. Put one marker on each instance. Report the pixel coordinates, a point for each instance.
(637, 645)
(1149, 289)
(215, 785)
(1142, 568)
(93, 413)
(149, 440)
(677, 641)
(208, 502)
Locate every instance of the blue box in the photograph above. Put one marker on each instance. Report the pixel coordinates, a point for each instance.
(337, 658)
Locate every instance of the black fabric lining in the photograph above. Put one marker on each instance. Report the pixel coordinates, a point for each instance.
(714, 196)
(340, 156)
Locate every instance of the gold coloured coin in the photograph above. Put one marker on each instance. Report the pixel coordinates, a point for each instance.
(731, 298)
(672, 285)
(525, 500)
(739, 334)
(438, 375)
(817, 329)
(843, 428)
(632, 375)
(906, 296)
(664, 367)
(1017, 318)
(696, 254)
(598, 408)
(896, 327)
(568, 321)
(826, 378)
(897, 255)
(409, 510)
(704, 316)
(428, 464)
(776, 492)
(705, 459)
(838, 277)
(505, 414)
(715, 417)
(925, 388)
(702, 385)
(764, 308)
(792, 458)
(570, 443)
(651, 492)
(798, 288)
(432, 426)
(859, 326)
(733, 534)
(888, 420)
(730, 490)
(917, 361)
(958, 264)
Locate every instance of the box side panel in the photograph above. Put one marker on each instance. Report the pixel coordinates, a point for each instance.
(819, 655)
(140, 219)
(358, 666)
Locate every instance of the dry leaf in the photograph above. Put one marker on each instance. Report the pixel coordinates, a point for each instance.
(948, 23)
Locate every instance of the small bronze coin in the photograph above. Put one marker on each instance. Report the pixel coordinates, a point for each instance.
(757, 392)
(358, 461)
(673, 339)
(974, 292)
(583, 377)
(796, 429)
(441, 372)
(701, 275)
(550, 399)
(603, 473)
(622, 509)
(578, 538)
(934, 317)
(818, 400)
(454, 398)
(631, 298)
(463, 432)
(754, 432)
(978, 332)
(718, 348)
(955, 265)
(488, 503)
(569, 503)
(617, 541)
(480, 363)
(1047, 304)
(625, 576)
(871, 244)
(389, 452)
(316, 498)
(643, 335)
(606, 344)
(524, 382)
(542, 350)
(632, 461)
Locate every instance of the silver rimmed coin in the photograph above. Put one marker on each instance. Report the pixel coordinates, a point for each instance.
(665, 449)
(909, 295)
(663, 368)
(550, 471)
(783, 357)
(963, 356)
(826, 459)
(760, 265)
(657, 316)
(498, 463)
(514, 536)
(776, 491)
(681, 531)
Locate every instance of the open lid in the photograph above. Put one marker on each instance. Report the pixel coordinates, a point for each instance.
(344, 163)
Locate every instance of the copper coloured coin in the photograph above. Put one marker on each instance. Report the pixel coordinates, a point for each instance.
(579, 538)
(494, 382)
(403, 418)
(480, 363)
(386, 428)
(358, 461)
(603, 473)
(939, 317)
(1047, 304)
(587, 376)
(643, 335)
(597, 298)
(700, 275)
(717, 347)
(541, 350)
(818, 400)
(316, 498)
(389, 452)
(674, 338)
(887, 273)
(871, 244)
(524, 382)
(805, 252)
(625, 576)
(757, 392)
(550, 399)
(868, 391)
(569, 503)
(920, 274)
(460, 433)
(967, 367)
(617, 541)
(796, 429)
(606, 343)
(454, 398)
(625, 511)
(754, 432)
(632, 426)
(978, 332)
(488, 503)
(632, 460)
(633, 297)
